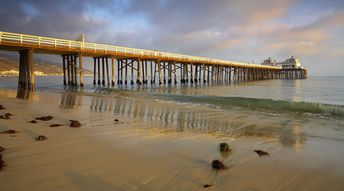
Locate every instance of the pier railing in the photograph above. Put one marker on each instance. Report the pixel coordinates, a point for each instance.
(73, 45)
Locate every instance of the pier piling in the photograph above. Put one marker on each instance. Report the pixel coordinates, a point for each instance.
(26, 70)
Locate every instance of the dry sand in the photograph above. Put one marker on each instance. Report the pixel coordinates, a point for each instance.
(134, 155)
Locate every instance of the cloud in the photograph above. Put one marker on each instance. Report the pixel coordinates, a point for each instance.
(331, 20)
(310, 39)
(53, 18)
(242, 30)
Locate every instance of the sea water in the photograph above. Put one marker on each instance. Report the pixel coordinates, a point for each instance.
(267, 108)
(325, 90)
(315, 94)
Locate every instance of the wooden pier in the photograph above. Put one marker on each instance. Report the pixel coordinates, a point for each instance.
(130, 66)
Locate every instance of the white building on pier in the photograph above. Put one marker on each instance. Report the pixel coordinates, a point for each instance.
(290, 63)
(269, 62)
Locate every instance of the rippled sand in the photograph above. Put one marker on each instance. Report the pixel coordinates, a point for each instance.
(162, 145)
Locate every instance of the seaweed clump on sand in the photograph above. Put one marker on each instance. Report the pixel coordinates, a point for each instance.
(33, 121)
(6, 116)
(45, 118)
(74, 123)
(262, 153)
(10, 131)
(41, 138)
(116, 121)
(56, 125)
(2, 107)
(207, 185)
(218, 165)
(224, 147)
(2, 163)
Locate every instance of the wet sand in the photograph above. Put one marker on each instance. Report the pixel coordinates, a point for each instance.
(153, 148)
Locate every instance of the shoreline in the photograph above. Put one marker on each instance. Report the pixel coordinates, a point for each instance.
(141, 154)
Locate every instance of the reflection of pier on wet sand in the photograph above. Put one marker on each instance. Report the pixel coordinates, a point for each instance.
(25, 94)
(180, 118)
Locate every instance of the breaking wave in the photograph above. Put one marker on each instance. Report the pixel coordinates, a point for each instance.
(261, 104)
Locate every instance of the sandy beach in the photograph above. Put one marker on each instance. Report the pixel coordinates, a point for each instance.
(136, 154)
(168, 95)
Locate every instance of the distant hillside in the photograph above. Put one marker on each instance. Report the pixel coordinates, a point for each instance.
(9, 66)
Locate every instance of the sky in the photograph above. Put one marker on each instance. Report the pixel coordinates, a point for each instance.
(238, 30)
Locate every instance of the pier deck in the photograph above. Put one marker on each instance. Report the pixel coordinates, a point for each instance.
(139, 64)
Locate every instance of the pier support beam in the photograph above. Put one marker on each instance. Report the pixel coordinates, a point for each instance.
(164, 71)
(208, 72)
(191, 72)
(143, 71)
(159, 72)
(138, 81)
(186, 73)
(75, 70)
(118, 71)
(132, 72)
(26, 70)
(98, 61)
(113, 71)
(121, 70)
(200, 73)
(94, 70)
(70, 69)
(146, 72)
(151, 72)
(181, 73)
(103, 71)
(80, 71)
(196, 72)
(69, 75)
(64, 70)
(169, 70)
(204, 79)
(107, 71)
(126, 71)
(175, 72)
(155, 71)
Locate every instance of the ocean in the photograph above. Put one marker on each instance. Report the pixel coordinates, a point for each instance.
(227, 108)
(322, 95)
(324, 89)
